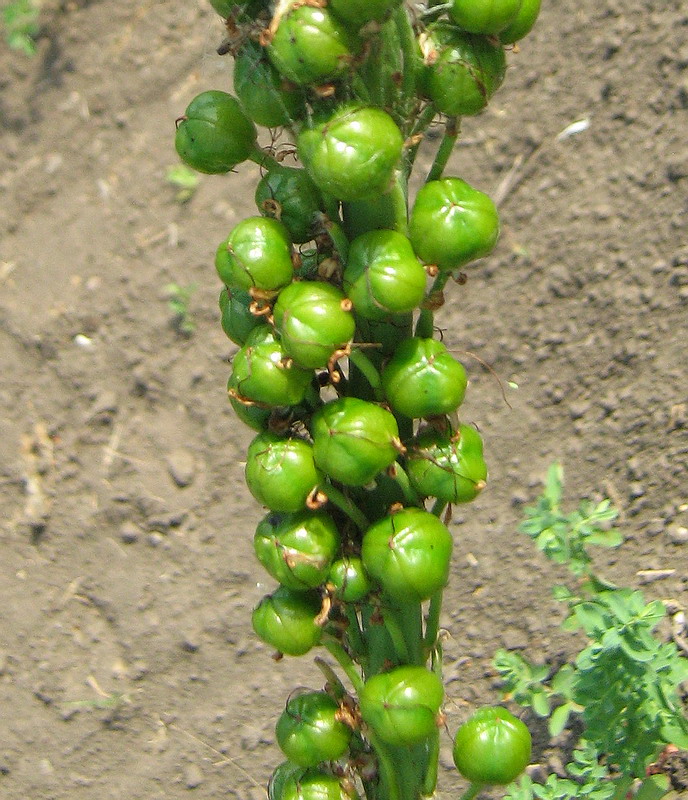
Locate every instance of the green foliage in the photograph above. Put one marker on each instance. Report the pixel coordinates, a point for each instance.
(20, 21)
(178, 303)
(623, 683)
(185, 179)
(563, 538)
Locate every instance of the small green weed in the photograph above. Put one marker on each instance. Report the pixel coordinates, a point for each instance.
(20, 23)
(624, 684)
(178, 303)
(185, 179)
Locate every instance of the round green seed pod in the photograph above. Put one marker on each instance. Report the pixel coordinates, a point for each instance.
(297, 549)
(447, 465)
(214, 135)
(422, 379)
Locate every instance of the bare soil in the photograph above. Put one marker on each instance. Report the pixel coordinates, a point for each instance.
(128, 667)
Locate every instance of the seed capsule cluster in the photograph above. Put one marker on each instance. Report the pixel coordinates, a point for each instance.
(329, 291)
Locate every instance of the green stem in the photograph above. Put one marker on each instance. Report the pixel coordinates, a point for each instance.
(451, 134)
(370, 372)
(331, 208)
(399, 199)
(436, 10)
(388, 773)
(473, 791)
(345, 505)
(423, 120)
(426, 324)
(407, 40)
(432, 624)
(334, 231)
(354, 634)
(345, 662)
(408, 619)
(396, 634)
(263, 158)
(402, 479)
(438, 507)
(430, 780)
(426, 318)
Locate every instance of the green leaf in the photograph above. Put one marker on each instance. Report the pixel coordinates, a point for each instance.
(554, 484)
(540, 703)
(523, 790)
(559, 718)
(591, 618)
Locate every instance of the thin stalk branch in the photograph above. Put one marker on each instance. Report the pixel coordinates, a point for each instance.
(430, 780)
(354, 633)
(345, 505)
(438, 507)
(451, 134)
(402, 479)
(361, 361)
(388, 773)
(473, 791)
(432, 624)
(396, 634)
(345, 662)
(263, 158)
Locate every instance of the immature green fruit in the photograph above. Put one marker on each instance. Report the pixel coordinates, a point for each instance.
(484, 16)
(287, 621)
(492, 747)
(311, 46)
(237, 320)
(255, 417)
(452, 223)
(463, 70)
(214, 135)
(317, 785)
(383, 275)
(402, 705)
(264, 94)
(283, 774)
(359, 12)
(280, 472)
(314, 321)
(289, 195)
(523, 24)
(263, 373)
(349, 580)
(447, 465)
(408, 553)
(297, 549)
(309, 730)
(256, 255)
(354, 440)
(422, 379)
(351, 154)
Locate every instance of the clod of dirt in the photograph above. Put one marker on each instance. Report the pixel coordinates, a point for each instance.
(182, 467)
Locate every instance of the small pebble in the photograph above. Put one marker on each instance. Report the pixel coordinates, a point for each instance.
(578, 410)
(678, 534)
(129, 533)
(182, 467)
(193, 777)
(635, 490)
